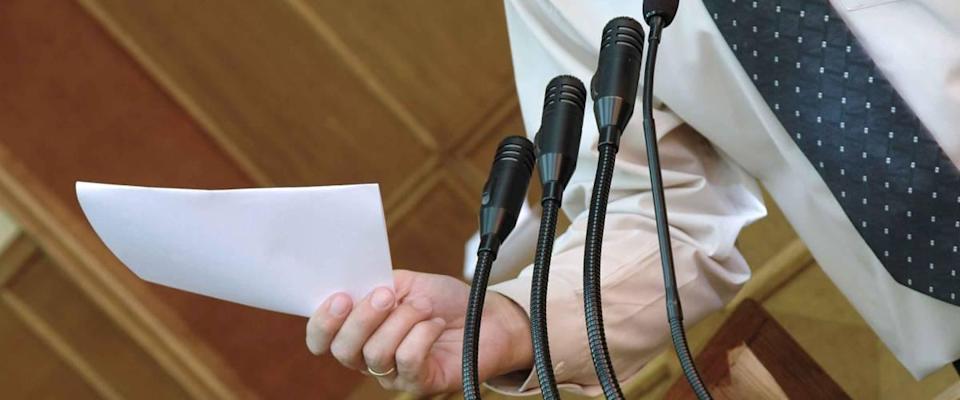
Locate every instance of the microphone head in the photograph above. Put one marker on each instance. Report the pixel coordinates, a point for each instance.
(666, 9)
(614, 85)
(506, 187)
(558, 140)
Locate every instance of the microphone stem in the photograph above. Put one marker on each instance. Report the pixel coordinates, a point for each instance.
(471, 329)
(672, 295)
(591, 264)
(538, 299)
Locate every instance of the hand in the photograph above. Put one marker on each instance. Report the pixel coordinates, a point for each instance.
(419, 331)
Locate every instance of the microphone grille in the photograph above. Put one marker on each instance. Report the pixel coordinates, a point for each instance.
(564, 89)
(624, 31)
(516, 149)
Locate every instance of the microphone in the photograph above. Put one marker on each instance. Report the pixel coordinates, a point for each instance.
(500, 203)
(614, 85)
(504, 191)
(558, 140)
(557, 143)
(665, 9)
(614, 91)
(659, 14)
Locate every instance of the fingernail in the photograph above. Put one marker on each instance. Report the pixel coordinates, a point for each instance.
(339, 305)
(382, 299)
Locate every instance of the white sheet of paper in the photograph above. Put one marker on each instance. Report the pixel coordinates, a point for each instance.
(281, 249)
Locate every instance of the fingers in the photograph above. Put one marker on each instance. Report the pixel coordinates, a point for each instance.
(359, 325)
(325, 323)
(403, 281)
(379, 351)
(414, 350)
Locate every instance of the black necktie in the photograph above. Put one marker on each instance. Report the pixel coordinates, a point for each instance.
(887, 172)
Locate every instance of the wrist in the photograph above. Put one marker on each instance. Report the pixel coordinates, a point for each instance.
(518, 351)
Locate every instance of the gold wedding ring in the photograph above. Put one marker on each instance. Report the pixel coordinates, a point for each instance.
(380, 374)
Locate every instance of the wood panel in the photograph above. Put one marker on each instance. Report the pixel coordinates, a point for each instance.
(75, 106)
(478, 151)
(400, 103)
(430, 238)
(80, 255)
(766, 238)
(445, 61)
(259, 94)
(15, 256)
(68, 93)
(269, 87)
(799, 376)
(47, 376)
(41, 291)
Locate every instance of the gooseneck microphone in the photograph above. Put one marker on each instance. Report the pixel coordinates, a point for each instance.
(557, 143)
(500, 204)
(659, 14)
(614, 85)
(614, 91)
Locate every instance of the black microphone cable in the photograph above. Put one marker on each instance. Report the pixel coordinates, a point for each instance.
(557, 144)
(500, 205)
(614, 90)
(659, 14)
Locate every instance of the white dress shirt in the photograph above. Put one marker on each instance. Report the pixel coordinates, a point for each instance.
(710, 189)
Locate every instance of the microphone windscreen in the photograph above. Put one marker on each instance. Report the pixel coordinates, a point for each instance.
(614, 85)
(558, 140)
(563, 105)
(506, 186)
(666, 9)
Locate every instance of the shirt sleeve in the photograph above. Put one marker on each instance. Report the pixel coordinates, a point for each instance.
(705, 221)
(709, 200)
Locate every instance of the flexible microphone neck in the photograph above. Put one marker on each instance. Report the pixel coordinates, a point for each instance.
(558, 143)
(659, 14)
(614, 92)
(500, 205)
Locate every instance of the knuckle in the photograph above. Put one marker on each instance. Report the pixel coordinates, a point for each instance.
(343, 354)
(320, 329)
(317, 337)
(405, 360)
(376, 357)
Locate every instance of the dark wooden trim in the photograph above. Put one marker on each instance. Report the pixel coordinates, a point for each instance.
(795, 371)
